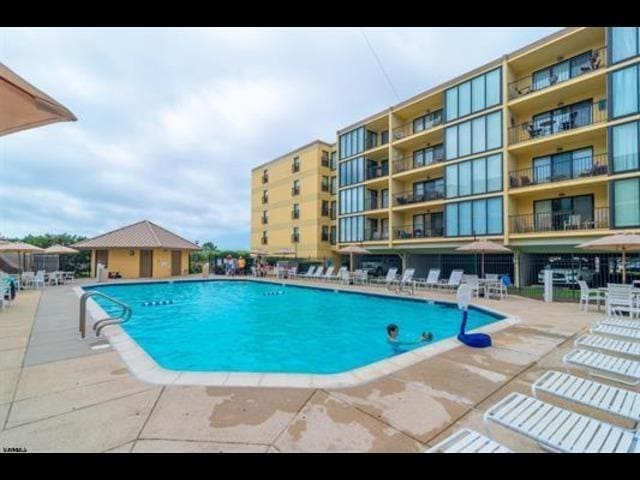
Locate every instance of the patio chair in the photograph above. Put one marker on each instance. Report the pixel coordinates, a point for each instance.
(309, 273)
(474, 283)
(328, 275)
(558, 429)
(590, 393)
(608, 345)
(392, 274)
(468, 441)
(455, 278)
(406, 282)
(361, 277)
(319, 274)
(433, 277)
(496, 289)
(5, 294)
(38, 280)
(606, 366)
(27, 279)
(573, 222)
(620, 296)
(68, 276)
(587, 294)
(344, 276)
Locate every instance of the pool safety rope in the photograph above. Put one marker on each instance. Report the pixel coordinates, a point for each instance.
(277, 292)
(159, 302)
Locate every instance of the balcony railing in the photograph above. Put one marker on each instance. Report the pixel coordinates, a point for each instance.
(264, 240)
(375, 203)
(265, 220)
(265, 199)
(378, 171)
(295, 191)
(295, 168)
(324, 236)
(559, 73)
(265, 178)
(404, 164)
(406, 232)
(325, 161)
(325, 212)
(324, 187)
(295, 214)
(562, 122)
(371, 235)
(295, 237)
(409, 197)
(560, 221)
(560, 170)
(410, 128)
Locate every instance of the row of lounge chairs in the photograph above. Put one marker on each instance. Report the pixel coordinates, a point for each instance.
(610, 351)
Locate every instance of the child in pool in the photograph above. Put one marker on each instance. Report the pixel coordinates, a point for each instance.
(393, 331)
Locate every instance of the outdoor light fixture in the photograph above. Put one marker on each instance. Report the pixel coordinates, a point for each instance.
(132, 253)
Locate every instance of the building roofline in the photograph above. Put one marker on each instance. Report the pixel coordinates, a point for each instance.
(303, 147)
(459, 78)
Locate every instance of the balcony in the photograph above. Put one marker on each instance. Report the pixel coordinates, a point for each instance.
(264, 220)
(295, 214)
(295, 168)
(561, 221)
(560, 171)
(559, 73)
(405, 164)
(422, 124)
(325, 161)
(372, 235)
(333, 211)
(378, 171)
(559, 122)
(375, 203)
(265, 199)
(295, 238)
(263, 240)
(265, 178)
(325, 212)
(410, 197)
(408, 232)
(295, 191)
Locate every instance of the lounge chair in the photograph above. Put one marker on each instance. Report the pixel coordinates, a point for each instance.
(468, 441)
(308, 274)
(392, 274)
(406, 282)
(433, 277)
(319, 274)
(454, 280)
(329, 274)
(620, 297)
(616, 321)
(344, 276)
(558, 429)
(602, 365)
(609, 345)
(610, 330)
(588, 294)
(361, 276)
(583, 391)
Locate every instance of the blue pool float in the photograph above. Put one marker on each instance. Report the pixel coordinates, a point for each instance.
(475, 340)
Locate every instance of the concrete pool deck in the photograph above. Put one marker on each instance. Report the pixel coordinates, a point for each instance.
(57, 394)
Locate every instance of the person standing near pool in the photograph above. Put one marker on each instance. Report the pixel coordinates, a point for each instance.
(393, 331)
(241, 265)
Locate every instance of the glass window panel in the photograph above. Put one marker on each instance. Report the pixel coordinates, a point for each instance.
(361, 140)
(479, 179)
(464, 99)
(494, 173)
(581, 162)
(494, 130)
(480, 217)
(418, 124)
(418, 158)
(477, 94)
(560, 72)
(494, 215)
(451, 104)
(464, 217)
(360, 169)
(428, 156)
(493, 87)
(541, 79)
(452, 142)
(627, 202)
(541, 169)
(360, 228)
(625, 147)
(625, 91)
(451, 217)
(464, 139)
(580, 64)
(452, 181)
(624, 43)
(348, 145)
(479, 134)
(464, 178)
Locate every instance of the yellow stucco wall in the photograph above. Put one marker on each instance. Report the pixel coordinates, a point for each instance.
(127, 262)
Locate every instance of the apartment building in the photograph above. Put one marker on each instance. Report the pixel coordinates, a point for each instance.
(537, 149)
(293, 203)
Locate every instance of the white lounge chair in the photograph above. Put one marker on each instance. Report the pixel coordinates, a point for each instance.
(319, 273)
(468, 441)
(344, 276)
(309, 273)
(455, 278)
(38, 280)
(406, 282)
(433, 277)
(328, 275)
(558, 429)
(608, 344)
(602, 365)
(587, 392)
(588, 294)
(610, 330)
(620, 297)
(392, 274)
(496, 289)
(616, 321)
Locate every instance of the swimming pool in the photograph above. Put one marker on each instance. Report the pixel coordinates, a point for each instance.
(247, 326)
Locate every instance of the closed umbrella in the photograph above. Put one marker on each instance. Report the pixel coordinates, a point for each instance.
(482, 247)
(620, 242)
(60, 250)
(20, 248)
(351, 250)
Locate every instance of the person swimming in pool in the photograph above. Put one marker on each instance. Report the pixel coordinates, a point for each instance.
(393, 331)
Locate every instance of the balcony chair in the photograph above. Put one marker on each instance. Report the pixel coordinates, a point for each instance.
(573, 222)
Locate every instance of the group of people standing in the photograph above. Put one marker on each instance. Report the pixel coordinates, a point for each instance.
(233, 266)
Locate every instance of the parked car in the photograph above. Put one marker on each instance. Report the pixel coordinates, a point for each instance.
(567, 276)
(379, 266)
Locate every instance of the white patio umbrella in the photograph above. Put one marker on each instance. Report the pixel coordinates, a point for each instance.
(284, 251)
(482, 247)
(351, 250)
(620, 242)
(60, 250)
(20, 248)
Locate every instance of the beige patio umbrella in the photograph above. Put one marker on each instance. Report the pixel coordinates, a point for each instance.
(23, 106)
(351, 250)
(20, 248)
(284, 251)
(620, 242)
(60, 250)
(482, 247)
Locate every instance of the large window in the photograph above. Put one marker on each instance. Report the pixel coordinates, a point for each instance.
(352, 171)
(427, 156)
(562, 71)
(624, 43)
(474, 136)
(562, 166)
(351, 200)
(427, 121)
(352, 143)
(564, 118)
(563, 213)
(625, 90)
(351, 229)
(626, 203)
(477, 217)
(474, 95)
(625, 140)
(481, 175)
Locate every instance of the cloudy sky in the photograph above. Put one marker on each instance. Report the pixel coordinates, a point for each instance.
(172, 120)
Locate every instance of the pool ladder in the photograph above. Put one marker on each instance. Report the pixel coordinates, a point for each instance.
(123, 317)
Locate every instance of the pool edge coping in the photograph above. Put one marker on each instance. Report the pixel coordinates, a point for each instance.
(142, 366)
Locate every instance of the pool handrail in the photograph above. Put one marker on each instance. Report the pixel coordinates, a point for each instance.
(123, 317)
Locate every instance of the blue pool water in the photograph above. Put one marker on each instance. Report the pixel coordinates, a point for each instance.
(246, 326)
